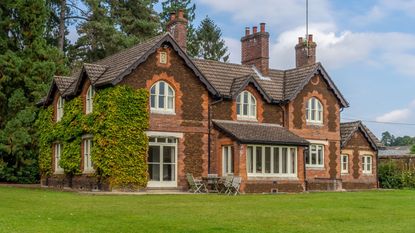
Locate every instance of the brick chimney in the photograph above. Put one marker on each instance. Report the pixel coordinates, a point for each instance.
(305, 55)
(177, 26)
(255, 48)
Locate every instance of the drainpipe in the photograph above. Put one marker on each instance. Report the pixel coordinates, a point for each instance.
(210, 129)
(305, 172)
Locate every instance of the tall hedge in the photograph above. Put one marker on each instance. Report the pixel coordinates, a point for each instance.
(117, 124)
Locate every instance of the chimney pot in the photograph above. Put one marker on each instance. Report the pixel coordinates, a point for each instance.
(247, 31)
(254, 29)
(181, 14)
(310, 38)
(262, 25)
(300, 40)
(172, 16)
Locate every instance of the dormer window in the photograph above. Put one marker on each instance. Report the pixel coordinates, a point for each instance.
(59, 108)
(246, 106)
(162, 98)
(314, 111)
(89, 102)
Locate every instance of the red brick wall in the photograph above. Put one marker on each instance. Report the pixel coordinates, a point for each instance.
(356, 147)
(191, 110)
(329, 131)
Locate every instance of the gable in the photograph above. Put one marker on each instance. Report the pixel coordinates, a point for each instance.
(358, 140)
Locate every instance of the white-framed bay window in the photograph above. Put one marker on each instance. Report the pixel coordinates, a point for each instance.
(227, 160)
(367, 164)
(314, 111)
(246, 106)
(59, 108)
(315, 156)
(88, 165)
(89, 100)
(344, 163)
(271, 161)
(162, 98)
(57, 155)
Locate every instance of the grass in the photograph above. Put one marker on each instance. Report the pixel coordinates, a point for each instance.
(28, 210)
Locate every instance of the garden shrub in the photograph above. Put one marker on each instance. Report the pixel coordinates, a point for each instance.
(392, 177)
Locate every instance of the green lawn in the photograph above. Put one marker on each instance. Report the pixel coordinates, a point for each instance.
(26, 210)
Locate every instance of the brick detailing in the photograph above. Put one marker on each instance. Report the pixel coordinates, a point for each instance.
(356, 164)
(272, 114)
(223, 110)
(333, 160)
(193, 153)
(168, 52)
(359, 185)
(255, 49)
(305, 55)
(259, 186)
(322, 92)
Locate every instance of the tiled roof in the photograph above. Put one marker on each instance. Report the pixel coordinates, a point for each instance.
(260, 133)
(347, 129)
(221, 79)
(396, 151)
(63, 82)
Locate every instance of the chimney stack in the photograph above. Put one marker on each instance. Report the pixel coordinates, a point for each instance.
(177, 26)
(305, 55)
(255, 48)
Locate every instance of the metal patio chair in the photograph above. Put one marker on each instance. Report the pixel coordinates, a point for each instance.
(197, 186)
(227, 183)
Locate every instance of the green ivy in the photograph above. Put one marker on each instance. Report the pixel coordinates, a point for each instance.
(118, 124)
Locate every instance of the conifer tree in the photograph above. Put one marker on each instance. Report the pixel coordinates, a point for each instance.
(210, 45)
(27, 65)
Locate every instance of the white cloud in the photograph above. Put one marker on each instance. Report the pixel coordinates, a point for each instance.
(399, 115)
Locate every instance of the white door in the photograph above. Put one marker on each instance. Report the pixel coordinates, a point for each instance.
(162, 165)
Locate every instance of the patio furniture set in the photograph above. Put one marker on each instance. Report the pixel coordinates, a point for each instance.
(213, 183)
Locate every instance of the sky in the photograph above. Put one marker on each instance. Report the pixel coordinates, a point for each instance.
(367, 47)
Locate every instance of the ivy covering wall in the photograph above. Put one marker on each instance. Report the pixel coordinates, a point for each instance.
(118, 124)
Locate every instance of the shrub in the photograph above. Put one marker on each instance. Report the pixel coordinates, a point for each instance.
(389, 176)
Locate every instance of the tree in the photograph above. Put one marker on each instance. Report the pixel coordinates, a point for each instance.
(413, 149)
(189, 9)
(387, 138)
(112, 26)
(210, 44)
(27, 65)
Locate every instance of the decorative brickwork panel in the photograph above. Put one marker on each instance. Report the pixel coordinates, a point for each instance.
(333, 160)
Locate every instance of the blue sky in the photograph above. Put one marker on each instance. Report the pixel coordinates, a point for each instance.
(368, 48)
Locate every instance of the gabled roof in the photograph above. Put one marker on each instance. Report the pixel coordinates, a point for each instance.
(59, 83)
(239, 84)
(347, 129)
(260, 133)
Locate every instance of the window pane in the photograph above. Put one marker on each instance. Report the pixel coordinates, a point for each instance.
(154, 171)
(253, 111)
(238, 109)
(154, 154)
(168, 154)
(258, 165)
(276, 160)
(245, 98)
(161, 88)
(320, 155)
(168, 172)
(153, 90)
(170, 93)
(284, 160)
(267, 160)
(161, 101)
(170, 100)
(293, 161)
(225, 159)
(153, 101)
(245, 110)
(250, 159)
(313, 156)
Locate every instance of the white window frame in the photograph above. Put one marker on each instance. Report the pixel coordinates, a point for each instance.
(59, 108)
(344, 164)
(367, 160)
(89, 100)
(88, 165)
(251, 105)
(314, 113)
(291, 162)
(313, 151)
(155, 92)
(227, 160)
(58, 154)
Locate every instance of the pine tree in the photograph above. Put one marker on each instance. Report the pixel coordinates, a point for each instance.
(210, 45)
(27, 65)
(112, 26)
(189, 9)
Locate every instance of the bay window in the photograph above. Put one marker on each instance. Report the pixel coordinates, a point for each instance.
(271, 161)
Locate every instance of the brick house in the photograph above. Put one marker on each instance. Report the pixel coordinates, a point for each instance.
(277, 129)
